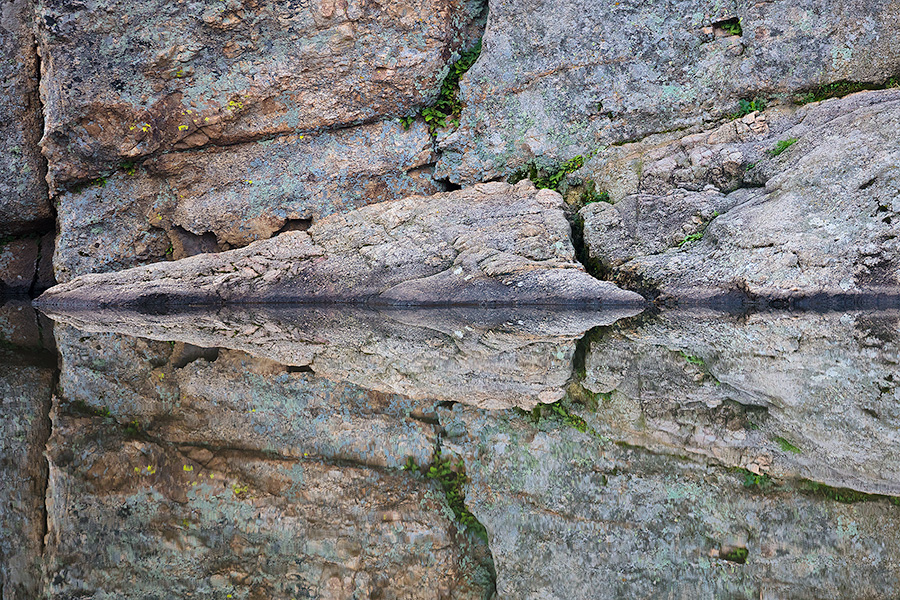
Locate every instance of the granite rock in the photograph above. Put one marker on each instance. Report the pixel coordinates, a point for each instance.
(560, 78)
(814, 213)
(492, 244)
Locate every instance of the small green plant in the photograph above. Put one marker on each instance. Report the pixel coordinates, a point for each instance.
(549, 180)
(694, 360)
(733, 27)
(128, 167)
(239, 490)
(452, 478)
(406, 122)
(745, 107)
(736, 555)
(133, 429)
(448, 106)
(760, 482)
(694, 237)
(782, 146)
(786, 446)
(590, 194)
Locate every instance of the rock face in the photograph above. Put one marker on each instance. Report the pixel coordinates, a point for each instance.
(791, 395)
(121, 81)
(569, 516)
(24, 203)
(185, 203)
(26, 265)
(27, 379)
(184, 520)
(486, 358)
(815, 216)
(559, 78)
(489, 244)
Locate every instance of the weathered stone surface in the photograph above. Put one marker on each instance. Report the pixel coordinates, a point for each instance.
(24, 203)
(185, 203)
(123, 80)
(795, 395)
(571, 517)
(817, 219)
(559, 78)
(18, 265)
(226, 398)
(25, 392)
(173, 520)
(487, 358)
(492, 244)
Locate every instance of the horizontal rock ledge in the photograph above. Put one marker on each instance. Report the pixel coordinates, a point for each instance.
(492, 244)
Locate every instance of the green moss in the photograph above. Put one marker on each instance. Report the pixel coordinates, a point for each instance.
(782, 146)
(448, 106)
(590, 194)
(843, 88)
(786, 446)
(745, 107)
(761, 483)
(737, 555)
(843, 495)
(452, 478)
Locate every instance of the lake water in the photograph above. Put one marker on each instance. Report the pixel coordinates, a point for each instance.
(303, 452)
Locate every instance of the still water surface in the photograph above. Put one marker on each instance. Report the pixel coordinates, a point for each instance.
(278, 452)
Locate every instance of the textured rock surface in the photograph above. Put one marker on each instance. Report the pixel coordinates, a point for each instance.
(226, 398)
(817, 219)
(186, 203)
(25, 392)
(123, 80)
(26, 265)
(182, 520)
(27, 380)
(491, 359)
(489, 244)
(24, 203)
(797, 395)
(571, 517)
(558, 78)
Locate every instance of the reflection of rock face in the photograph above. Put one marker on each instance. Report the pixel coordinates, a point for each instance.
(492, 244)
(808, 395)
(135, 518)
(557, 77)
(27, 377)
(227, 399)
(816, 213)
(570, 517)
(492, 359)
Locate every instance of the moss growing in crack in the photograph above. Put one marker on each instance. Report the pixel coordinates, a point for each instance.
(782, 146)
(842, 495)
(448, 106)
(452, 478)
(839, 89)
(786, 446)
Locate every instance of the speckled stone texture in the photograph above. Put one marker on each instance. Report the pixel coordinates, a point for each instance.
(817, 219)
(491, 244)
(24, 203)
(124, 80)
(570, 516)
(559, 78)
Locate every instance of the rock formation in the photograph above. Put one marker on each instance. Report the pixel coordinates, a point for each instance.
(492, 244)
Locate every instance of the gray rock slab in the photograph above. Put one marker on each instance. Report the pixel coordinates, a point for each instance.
(123, 80)
(569, 516)
(562, 78)
(492, 244)
(214, 198)
(24, 202)
(817, 219)
(792, 395)
(489, 358)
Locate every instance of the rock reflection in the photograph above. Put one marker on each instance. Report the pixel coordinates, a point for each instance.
(259, 454)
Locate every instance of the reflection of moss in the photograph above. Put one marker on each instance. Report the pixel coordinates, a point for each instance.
(452, 477)
(737, 555)
(786, 446)
(843, 495)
